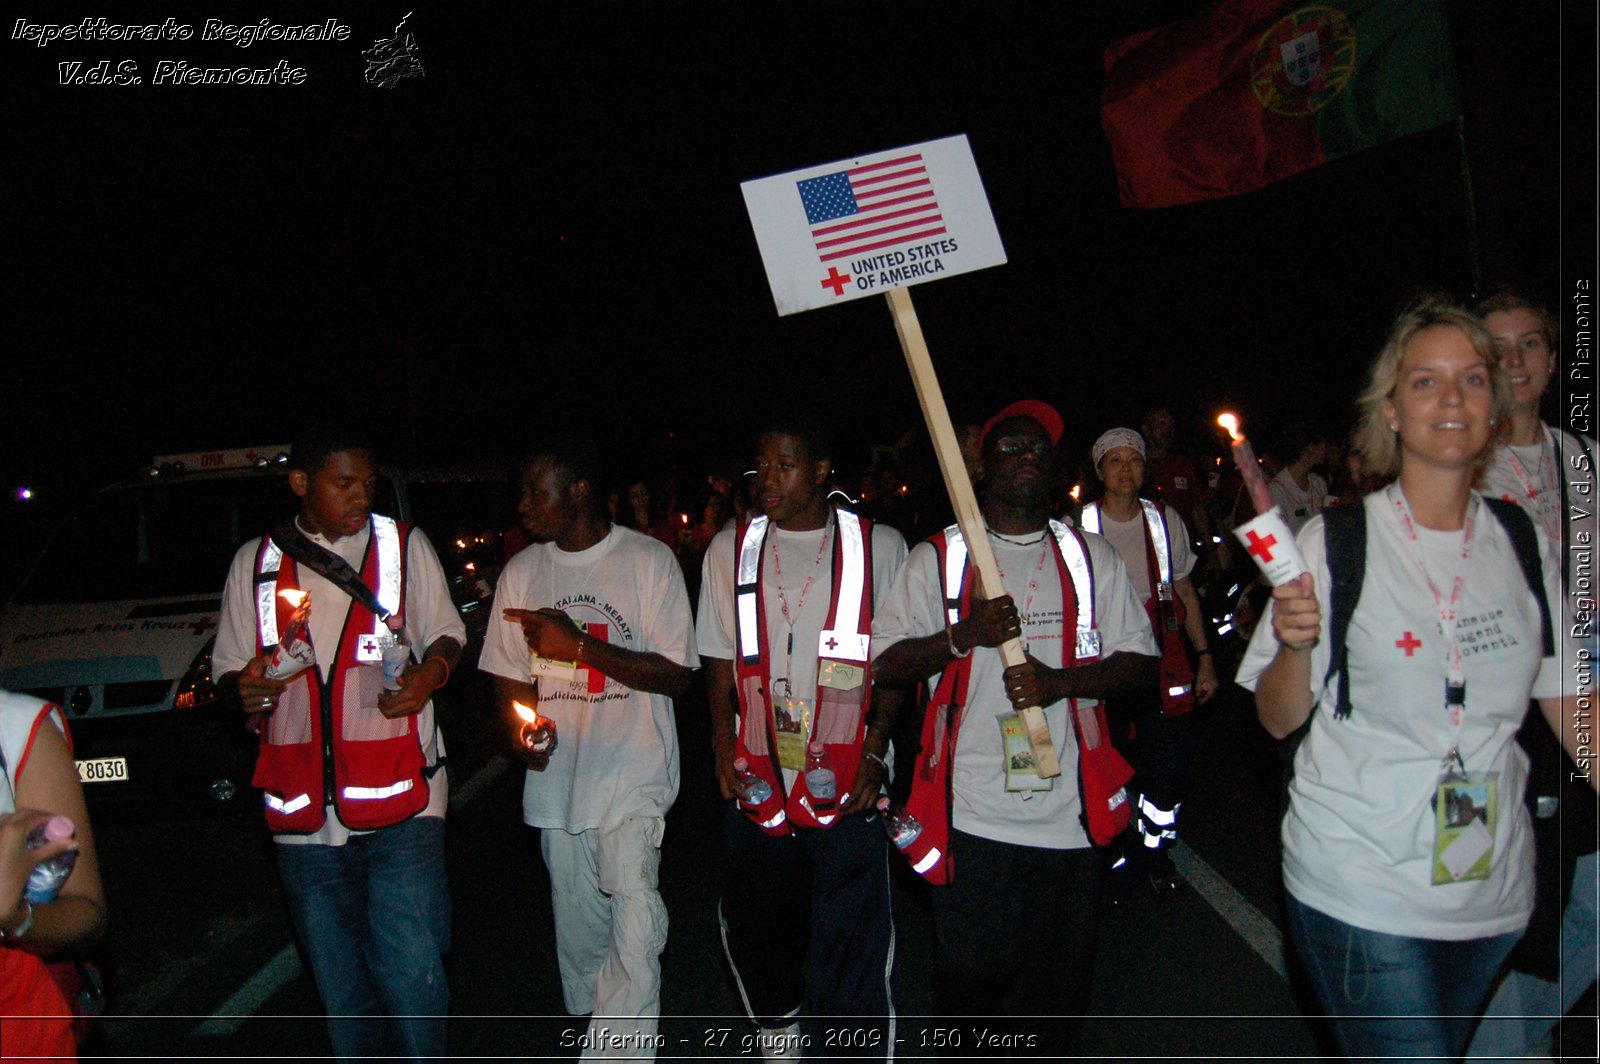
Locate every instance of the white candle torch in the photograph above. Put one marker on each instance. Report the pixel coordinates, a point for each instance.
(294, 652)
(1266, 537)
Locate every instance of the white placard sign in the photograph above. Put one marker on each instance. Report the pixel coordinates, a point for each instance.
(859, 227)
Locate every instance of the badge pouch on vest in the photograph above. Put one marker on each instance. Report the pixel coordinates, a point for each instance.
(791, 725)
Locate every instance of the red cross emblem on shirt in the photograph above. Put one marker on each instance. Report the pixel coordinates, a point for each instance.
(836, 280)
(600, 633)
(1261, 548)
(1409, 643)
(831, 643)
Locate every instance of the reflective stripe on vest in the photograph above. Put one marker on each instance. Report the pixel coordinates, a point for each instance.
(293, 805)
(1158, 534)
(845, 643)
(747, 588)
(386, 542)
(375, 793)
(929, 859)
(267, 594)
(955, 563)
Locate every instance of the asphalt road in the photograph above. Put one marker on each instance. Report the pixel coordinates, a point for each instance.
(200, 961)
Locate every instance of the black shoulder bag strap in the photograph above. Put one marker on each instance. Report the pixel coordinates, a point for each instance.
(326, 564)
(1519, 526)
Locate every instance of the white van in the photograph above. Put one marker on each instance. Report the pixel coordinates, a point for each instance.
(116, 620)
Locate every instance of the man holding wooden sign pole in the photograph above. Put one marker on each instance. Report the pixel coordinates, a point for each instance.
(1017, 914)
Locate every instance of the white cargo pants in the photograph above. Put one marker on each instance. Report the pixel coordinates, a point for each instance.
(611, 926)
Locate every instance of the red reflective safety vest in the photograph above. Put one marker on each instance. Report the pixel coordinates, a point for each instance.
(327, 743)
(839, 719)
(1163, 607)
(1103, 774)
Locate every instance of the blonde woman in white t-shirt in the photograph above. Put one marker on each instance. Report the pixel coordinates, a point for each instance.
(1404, 899)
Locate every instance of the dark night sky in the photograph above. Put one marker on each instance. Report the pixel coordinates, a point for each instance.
(547, 229)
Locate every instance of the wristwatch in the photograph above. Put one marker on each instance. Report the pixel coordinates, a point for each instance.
(16, 933)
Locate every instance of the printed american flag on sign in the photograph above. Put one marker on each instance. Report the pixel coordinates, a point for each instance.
(852, 212)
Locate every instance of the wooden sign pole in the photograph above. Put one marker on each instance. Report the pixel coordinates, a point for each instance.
(968, 516)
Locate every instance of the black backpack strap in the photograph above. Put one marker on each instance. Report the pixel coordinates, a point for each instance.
(1344, 530)
(1344, 537)
(1519, 526)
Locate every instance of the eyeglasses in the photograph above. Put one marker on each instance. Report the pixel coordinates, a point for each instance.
(1012, 445)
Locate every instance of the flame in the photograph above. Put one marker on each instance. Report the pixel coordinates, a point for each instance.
(684, 518)
(526, 713)
(1076, 489)
(1231, 423)
(296, 599)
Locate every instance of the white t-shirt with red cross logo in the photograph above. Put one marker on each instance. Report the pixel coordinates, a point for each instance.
(1359, 831)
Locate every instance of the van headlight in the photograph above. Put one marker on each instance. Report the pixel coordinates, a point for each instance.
(195, 689)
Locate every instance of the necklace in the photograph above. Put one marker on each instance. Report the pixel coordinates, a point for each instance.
(1017, 542)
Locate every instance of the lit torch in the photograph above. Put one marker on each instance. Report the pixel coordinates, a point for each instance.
(1245, 458)
(537, 734)
(294, 652)
(1266, 536)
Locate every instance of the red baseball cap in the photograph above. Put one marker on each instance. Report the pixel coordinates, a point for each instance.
(1043, 413)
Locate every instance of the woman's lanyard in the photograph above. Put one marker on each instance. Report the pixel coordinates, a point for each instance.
(1455, 687)
(1533, 486)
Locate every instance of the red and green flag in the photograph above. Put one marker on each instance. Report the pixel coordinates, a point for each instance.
(1253, 91)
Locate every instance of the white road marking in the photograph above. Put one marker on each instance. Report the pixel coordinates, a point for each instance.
(491, 771)
(1258, 932)
(286, 967)
(273, 977)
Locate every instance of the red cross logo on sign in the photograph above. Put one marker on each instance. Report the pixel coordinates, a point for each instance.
(1261, 548)
(1409, 643)
(836, 280)
(202, 626)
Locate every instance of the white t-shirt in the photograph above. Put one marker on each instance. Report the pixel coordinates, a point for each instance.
(1298, 506)
(1128, 538)
(429, 614)
(617, 748)
(1557, 455)
(805, 560)
(1359, 832)
(915, 608)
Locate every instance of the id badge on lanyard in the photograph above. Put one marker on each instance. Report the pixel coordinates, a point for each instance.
(1465, 804)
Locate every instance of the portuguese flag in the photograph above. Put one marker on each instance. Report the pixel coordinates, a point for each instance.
(1253, 91)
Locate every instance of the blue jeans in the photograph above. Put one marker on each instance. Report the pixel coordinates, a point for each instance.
(373, 917)
(1392, 996)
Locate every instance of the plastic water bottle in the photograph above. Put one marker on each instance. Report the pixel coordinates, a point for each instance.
(901, 827)
(46, 878)
(396, 649)
(905, 831)
(755, 789)
(820, 780)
